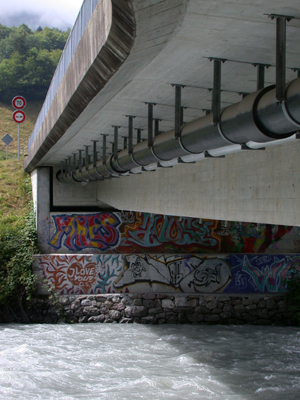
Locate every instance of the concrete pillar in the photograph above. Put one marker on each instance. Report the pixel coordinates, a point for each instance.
(40, 181)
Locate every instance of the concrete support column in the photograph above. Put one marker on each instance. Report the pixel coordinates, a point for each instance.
(40, 181)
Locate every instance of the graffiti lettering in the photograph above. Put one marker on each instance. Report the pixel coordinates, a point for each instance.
(261, 273)
(188, 273)
(73, 274)
(207, 276)
(137, 233)
(263, 259)
(78, 232)
(137, 268)
(240, 281)
(153, 232)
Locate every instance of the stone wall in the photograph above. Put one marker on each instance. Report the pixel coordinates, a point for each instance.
(156, 308)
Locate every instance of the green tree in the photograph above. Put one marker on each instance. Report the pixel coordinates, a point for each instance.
(4, 32)
(28, 60)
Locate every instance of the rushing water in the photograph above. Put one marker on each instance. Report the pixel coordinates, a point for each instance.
(112, 361)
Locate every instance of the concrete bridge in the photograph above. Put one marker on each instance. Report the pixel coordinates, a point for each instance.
(180, 107)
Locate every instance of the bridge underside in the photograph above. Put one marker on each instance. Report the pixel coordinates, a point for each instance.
(130, 53)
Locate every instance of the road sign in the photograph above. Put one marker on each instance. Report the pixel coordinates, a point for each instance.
(19, 116)
(7, 139)
(18, 102)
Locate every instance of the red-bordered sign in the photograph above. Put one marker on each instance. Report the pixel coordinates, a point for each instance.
(19, 116)
(19, 102)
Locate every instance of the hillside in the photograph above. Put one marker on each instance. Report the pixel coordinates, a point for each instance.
(7, 125)
(15, 193)
(15, 188)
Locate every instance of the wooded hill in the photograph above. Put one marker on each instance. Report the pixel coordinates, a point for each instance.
(28, 60)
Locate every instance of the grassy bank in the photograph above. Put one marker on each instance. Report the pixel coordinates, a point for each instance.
(15, 193)
(15, 189)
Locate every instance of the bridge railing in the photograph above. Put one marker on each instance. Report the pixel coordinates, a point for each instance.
(73, 40)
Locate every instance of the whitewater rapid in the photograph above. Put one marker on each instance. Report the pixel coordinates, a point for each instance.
(118, 362)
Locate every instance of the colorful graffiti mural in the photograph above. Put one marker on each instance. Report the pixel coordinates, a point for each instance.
(79, 232)
(140, 273)
(70, 274)
(170, 234)
(137, 233)
(261, 273)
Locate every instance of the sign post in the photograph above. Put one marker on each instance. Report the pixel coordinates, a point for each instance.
(18, 102)
(7, 139)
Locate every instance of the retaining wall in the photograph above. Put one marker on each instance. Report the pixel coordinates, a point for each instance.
(158, 308)
(148, 273)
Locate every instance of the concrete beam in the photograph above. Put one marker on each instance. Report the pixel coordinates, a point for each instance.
(103, 47)
(253, 186)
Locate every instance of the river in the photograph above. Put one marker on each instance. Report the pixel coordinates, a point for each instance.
(118, 362)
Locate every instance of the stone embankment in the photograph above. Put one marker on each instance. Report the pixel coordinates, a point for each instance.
(163, 309)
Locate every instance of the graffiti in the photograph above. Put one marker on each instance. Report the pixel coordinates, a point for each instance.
(258, 273)
(253, 238)
(207, 276)
(263, 259)
(140, 273)
(128, 217)
(82, 275)
(158, 234)
(70, 274)
(223, 229)
(63, 271)
(240, 281)
(188, 273)
(79, 232)
(142, 233)
(105, 279)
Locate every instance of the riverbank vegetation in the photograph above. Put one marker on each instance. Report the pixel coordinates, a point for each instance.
(17, 240)
(17, 226)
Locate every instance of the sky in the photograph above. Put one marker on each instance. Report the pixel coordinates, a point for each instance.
(52, 13)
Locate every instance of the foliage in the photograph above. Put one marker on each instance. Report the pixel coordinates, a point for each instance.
(28, 60)
(17, 241)
(293, 294)
(17, 281)
(54, 299)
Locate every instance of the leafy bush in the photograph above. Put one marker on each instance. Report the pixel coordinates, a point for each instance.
(293, 295)
(17, 281)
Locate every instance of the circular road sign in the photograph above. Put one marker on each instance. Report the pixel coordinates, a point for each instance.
(19, 116)
(19, 102)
